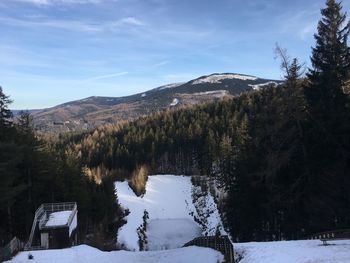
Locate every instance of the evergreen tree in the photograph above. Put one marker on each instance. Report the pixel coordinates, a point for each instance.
(330, 58)
(11, 185)
(5, 113)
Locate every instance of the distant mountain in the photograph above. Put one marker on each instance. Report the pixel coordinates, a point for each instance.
(93, 111)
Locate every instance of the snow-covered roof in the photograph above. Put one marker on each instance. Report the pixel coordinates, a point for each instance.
(58, 219)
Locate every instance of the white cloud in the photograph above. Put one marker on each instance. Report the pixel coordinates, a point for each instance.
(55, 2)
(107, 76)
(131, 21)
(74, 25)
(127, 21)
(303, 23)
(161, 63)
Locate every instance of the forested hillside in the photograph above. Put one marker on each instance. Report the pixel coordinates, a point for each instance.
(33, 172)
(282, 153)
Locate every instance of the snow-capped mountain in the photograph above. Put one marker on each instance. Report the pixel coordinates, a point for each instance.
(93, 111)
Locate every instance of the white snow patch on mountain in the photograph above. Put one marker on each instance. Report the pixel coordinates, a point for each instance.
(303, 251)
(174, 102)
(173, 202)
(214, 93)
(86, 254)
(259, 86)
(169, 86)
(217, 78)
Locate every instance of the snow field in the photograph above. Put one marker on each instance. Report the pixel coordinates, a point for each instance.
(86, 254)
(302, 251)
(165, 234)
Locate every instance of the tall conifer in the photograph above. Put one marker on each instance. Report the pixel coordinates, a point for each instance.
(330, 57)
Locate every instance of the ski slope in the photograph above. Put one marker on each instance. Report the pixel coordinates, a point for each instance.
(86, 254)
(172, 209)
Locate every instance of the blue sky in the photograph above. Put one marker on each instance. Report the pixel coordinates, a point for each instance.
(54, 51)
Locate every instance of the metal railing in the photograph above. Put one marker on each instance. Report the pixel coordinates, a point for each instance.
(38, 214)
(57, 207)
(335, 234)
(42, 214)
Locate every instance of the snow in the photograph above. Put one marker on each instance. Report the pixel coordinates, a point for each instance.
(143, 95)
(259, 86)
(214, 93)
(166, 197)
(174, 102)
(172, 203)
(86, 254)
(208, 214)
(304, 251)
(217, 78)
(58, 218)
(169, 86)
(171, 233)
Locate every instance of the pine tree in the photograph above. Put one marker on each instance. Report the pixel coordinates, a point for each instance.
(5, 113)
(330, 58)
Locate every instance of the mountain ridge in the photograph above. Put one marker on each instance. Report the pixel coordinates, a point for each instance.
(93, 111)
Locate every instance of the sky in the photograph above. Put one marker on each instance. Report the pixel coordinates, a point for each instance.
(54, 51)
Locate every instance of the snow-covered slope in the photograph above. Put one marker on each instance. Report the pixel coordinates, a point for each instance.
(177, 213)
(169, 86)
(304, 251)
(217, 78)
(86, 254)
(259, 86)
